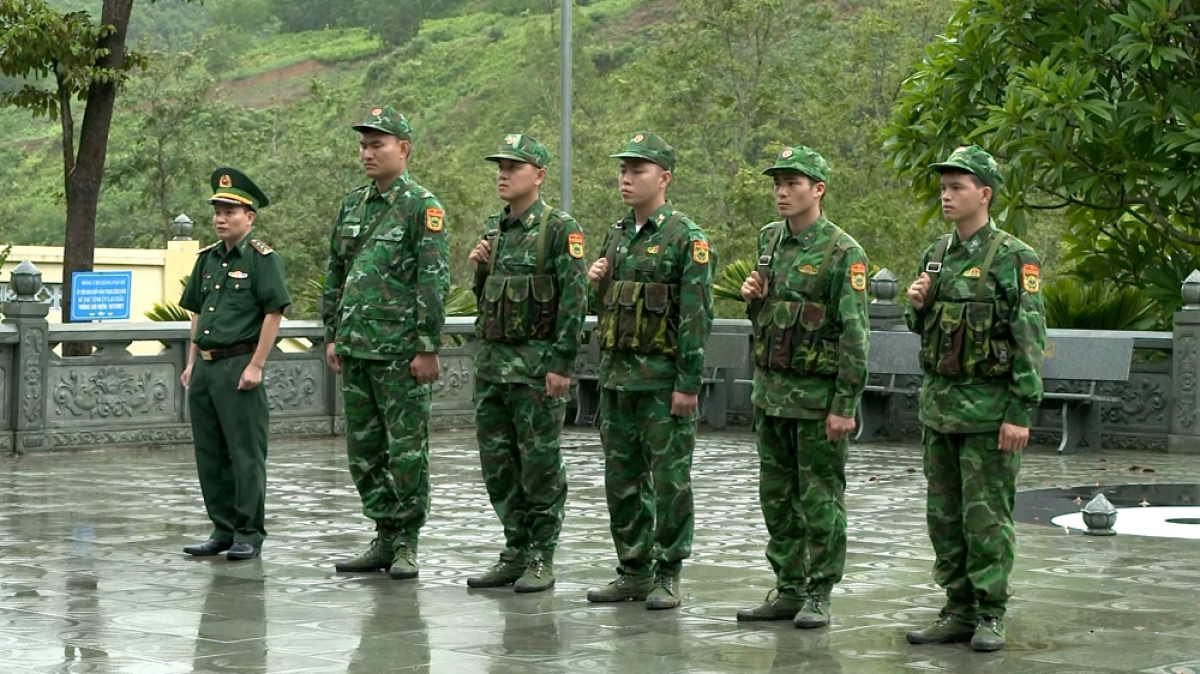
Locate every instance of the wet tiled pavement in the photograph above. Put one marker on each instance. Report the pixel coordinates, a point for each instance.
(92, 578)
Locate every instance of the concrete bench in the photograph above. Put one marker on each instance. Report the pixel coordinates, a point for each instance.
(1088, 356)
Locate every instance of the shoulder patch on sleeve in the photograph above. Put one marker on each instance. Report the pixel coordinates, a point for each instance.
(700, 252)
(435, 219)
(858, 276)
(262, 248)
(575, 245)
(1031, 278)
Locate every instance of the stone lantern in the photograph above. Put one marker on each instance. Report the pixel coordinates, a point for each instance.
(26, 282)
(181, 228)
(884, 286)
(1099, 515)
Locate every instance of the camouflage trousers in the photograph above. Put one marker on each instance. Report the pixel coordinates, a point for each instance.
(972, 486)
(387, 443)
(518, 429)
(802, 491)
(648, 480)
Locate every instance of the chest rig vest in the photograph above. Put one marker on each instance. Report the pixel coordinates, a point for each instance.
(519, 307)
(641, 317)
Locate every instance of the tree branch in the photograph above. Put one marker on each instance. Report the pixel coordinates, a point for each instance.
(68, 124)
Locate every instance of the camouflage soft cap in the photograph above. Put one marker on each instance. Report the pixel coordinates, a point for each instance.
(387, 120)
(231, 186)
(522, 148)
(801, 159)
(651, 147)
(976, 160)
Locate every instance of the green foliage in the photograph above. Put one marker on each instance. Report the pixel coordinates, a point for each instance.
(460, 301)
(1071, 303)
(168, 310)
(1093, 108)
(728, 286)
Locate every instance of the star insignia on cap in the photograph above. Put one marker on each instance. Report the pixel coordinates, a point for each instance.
(510, 140)
(225, 181)
(377, 111)
(787, 152)
(638, 138)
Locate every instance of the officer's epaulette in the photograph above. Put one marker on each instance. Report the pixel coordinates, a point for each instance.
(207, 248)
(262, 248)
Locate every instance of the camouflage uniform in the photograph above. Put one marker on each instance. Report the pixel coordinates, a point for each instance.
(983, 334)
(811, 355)
(662, 274)
(385, 286)
(532, 298)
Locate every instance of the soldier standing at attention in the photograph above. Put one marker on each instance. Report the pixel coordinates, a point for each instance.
(654, 289)
(531, 287)
(236, 295)
(978, 309)
(808, 303)
(383, 309)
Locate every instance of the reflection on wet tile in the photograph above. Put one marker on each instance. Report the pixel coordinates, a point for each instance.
(94, 583)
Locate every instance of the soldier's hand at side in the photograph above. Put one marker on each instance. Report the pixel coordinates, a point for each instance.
(598, 272)
(251, 377)
(753, 288)
(556, 385)
(1013, 438)
(425, 368)
(918, 290)
(332, 359)
(480, 254)
(684, 404)
(837, 427)
(186, 377)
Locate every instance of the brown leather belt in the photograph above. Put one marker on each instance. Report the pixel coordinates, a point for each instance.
(228, 352)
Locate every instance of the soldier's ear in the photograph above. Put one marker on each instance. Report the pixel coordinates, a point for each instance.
(664, 179)
(250, 215)
(541, 177)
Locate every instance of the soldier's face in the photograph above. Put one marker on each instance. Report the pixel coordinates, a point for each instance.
(516, 180)
(383, 155)
(796, 194)
(641, 181)
(963, 199)
(232, 223)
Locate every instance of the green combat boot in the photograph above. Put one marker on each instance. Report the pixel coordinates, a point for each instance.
(624, 588)
(815, 613)
(947, 629)
(538, 576)
(665, 594)
(378, 556)
(505, 572)
(778, 606)
(989, 635)
(404, 563)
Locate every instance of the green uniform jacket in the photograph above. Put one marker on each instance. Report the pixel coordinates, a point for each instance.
(635, 260)
(516, 251)
(971, 405)
(388, 274)
(795, 260)
(232, 291)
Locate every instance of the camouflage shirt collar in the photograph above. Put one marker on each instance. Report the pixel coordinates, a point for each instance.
(657, 218)
(978, 240)
(817, 228)
(398, 187)
(525, 219)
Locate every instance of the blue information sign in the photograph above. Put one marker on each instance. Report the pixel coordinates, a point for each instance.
(101, 295)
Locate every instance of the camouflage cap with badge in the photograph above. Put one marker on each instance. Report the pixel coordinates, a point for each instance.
(386, 120)
(231, 186)
(976, 160)
(651, 147)
(522, 148)
(803, 160)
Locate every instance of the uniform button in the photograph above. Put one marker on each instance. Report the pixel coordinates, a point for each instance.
(224, 264)
(218, 286)
(212, 308)
(206, 332)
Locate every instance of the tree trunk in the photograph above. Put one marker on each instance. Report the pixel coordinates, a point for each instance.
(83, 181)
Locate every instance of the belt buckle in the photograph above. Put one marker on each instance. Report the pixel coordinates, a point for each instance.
(206, 355)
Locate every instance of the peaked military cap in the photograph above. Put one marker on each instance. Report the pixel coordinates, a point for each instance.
(976, 160)
(522, 148)
(651, 147)
(231, 186)
(387, 120)
(801, 159)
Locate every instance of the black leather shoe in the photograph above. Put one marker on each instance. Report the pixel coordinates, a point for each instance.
(210, 547)
(242, 550)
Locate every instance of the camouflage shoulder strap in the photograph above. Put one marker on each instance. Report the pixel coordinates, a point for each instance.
(610, 254)
(823, 273)
(764, 266)
(672, 236)
(934, 266)
(981, 285)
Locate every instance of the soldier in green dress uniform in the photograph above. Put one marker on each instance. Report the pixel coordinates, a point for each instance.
(236, 295)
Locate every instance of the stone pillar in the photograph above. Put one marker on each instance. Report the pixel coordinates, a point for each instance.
(31, 358)
(884, 312)
(1185, 406)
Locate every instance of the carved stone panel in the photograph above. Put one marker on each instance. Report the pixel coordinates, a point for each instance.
(295, 387)
(33, 402)
(456, 383)
(112, 394)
